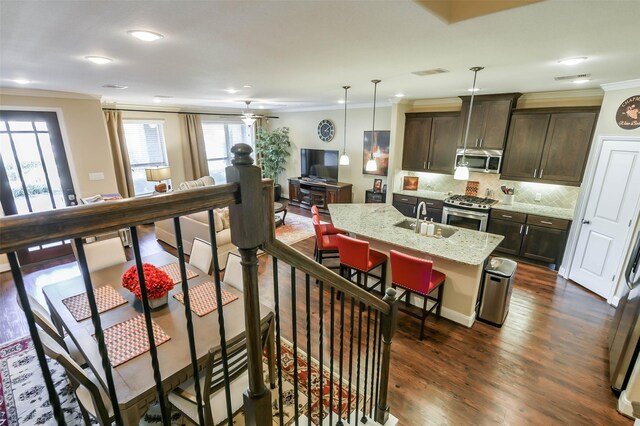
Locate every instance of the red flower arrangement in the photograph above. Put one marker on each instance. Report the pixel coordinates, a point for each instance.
(157, 281)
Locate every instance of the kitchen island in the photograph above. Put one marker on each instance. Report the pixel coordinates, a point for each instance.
(461, 256)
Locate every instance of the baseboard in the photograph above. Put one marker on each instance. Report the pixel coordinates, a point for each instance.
(456, 316)
(624, 405)
(614, 301)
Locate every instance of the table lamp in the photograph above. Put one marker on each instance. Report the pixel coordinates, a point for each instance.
(159, 174)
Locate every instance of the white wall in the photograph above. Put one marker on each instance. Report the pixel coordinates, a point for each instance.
(304, 134)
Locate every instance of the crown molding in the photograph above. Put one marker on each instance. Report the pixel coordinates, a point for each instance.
(629, 84)
(339, 107)
(7, 91)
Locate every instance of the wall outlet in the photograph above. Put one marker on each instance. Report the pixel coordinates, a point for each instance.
(538, 196)
(96, 176)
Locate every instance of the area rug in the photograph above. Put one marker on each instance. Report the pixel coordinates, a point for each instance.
(296, 228)
(24, 399)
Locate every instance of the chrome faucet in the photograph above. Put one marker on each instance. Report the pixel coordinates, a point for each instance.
(422, 207)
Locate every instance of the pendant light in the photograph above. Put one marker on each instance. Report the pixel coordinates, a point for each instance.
(344, 158)
(248, 117)
(372, 166)
(462, 171)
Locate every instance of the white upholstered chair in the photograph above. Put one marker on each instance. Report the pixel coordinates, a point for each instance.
(233, 272)
(103, 253)
(201, 255)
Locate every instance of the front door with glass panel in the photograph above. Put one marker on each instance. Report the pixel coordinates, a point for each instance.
(34, 173)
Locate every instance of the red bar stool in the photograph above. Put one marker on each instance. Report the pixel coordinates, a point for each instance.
(417, 275)
(327, 228)
(355, 254)
(326, 244)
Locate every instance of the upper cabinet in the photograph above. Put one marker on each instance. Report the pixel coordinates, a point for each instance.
(489, 120)
(430, 141)
(549, 145)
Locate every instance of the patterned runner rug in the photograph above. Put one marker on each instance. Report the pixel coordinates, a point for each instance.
(24, 399)
(296, 228)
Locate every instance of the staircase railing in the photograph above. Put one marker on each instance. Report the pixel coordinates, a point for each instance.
(360, 325)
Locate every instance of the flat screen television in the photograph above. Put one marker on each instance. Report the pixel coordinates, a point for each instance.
(320, 164)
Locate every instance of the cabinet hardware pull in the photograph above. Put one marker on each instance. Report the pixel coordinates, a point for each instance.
(521, 226)
(481, 142)
(429, 204)
(477, 141)
(429, 165)
(414, 210)
(586, 221)
(424, 165)
(506, 215)
(546, 222)
(541, 172)
(404, 199)
(526, 230)
(535, 172)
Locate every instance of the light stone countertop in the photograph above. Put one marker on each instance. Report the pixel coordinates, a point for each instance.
(376, 221)
(554, 212)
(424, 194)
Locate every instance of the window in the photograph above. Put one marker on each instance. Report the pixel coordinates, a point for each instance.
(146, 148)
(219, 137)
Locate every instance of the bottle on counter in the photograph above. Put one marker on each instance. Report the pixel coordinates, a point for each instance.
(439, 233)
(431, 228)
(423, 228)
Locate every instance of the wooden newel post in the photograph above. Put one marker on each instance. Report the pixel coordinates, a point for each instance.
(388, 326)
(247, 233)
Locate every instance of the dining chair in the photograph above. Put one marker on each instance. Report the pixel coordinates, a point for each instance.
(201, 255)
(233, 272)
(212, 380)
(44, 321)
(103, 253)
(416, 275)
(92, 398)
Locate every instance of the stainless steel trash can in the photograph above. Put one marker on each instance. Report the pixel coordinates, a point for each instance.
(496, 290)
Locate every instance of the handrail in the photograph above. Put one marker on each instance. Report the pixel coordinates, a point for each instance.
(299, 261)
(26, 230)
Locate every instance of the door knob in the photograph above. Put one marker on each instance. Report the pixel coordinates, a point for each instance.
(586, 221)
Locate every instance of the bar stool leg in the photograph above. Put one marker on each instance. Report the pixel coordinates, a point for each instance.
(424, 317)
(383, 278)
(440, 291)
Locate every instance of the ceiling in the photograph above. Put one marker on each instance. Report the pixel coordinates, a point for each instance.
(297, 55)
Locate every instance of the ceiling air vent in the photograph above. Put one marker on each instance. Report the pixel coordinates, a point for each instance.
(572, 77)
(430, 72)
(114, 86)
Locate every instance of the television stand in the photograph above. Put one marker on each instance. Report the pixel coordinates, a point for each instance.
(306, 193)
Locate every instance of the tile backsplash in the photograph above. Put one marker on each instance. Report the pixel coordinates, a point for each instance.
(525, 192)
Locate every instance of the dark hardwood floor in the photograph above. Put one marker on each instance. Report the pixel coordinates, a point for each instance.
(548, 364)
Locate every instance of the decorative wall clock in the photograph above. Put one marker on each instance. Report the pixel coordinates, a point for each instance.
(326, 130)
(628, 114)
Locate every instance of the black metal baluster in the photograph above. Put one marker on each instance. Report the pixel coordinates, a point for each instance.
(358, 365)
(295, 344)
(223, 338)
(341, 359)
(378, 362)
(351, 325)
(35, 337)
(373, 359)
(320, 349)
(147, 318)
(308, 320)
(276, 297)
(366, 367)
(331, 350)
(188, 316)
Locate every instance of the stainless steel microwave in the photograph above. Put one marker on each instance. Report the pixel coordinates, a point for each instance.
(481, 160)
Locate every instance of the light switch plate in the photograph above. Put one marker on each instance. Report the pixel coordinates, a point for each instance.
(538, 196)
(96, 176)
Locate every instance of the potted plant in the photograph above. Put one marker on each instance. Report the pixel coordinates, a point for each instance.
(272, 149)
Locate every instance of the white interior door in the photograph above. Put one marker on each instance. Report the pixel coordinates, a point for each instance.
(611, 207)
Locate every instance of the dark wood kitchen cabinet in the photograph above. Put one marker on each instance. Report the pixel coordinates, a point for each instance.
(489, 120)
(533, 237)
(549, 146)
(430, 141)
(405, 204)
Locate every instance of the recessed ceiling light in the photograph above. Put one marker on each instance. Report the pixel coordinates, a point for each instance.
(231, 91)
(100, 60)
(246, 86)
(581, 80)
(157, 100)
(399, 95)
(21, 81)
(115, 86)
(572, 61)
(145, 35)
(341, 101)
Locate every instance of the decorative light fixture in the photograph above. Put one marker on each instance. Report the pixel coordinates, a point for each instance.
(344, 158)
(145, 35)
(371, 165)
(99, 60)
(462, 171)
(159, 174)
(572, 61)
(248, 117)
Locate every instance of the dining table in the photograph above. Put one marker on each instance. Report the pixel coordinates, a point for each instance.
(134, 379)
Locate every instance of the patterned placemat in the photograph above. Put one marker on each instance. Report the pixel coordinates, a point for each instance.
(203, 298)
(173, 270)
(106, 298)
(128, 339)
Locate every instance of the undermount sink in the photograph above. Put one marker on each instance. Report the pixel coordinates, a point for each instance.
(411, 225)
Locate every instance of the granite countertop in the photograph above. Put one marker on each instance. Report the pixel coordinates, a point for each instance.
(376, 221)
(424, 194)
(555, 212)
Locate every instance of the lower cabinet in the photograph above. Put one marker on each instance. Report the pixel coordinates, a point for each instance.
(371, 196)
(530, 236)
(407, 205)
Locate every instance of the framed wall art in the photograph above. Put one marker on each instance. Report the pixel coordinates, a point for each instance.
(376, 147)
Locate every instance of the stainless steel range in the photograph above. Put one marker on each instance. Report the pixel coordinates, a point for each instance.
(467, 212)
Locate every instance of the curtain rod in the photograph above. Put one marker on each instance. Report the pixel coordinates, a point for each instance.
(183, 112)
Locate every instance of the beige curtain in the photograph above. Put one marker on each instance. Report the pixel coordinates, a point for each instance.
(118, 145)
(195, 154)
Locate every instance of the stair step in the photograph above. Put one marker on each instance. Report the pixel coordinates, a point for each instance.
(304, 421)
